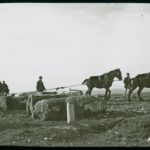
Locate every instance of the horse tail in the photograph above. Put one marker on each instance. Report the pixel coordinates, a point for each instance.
(84, 81)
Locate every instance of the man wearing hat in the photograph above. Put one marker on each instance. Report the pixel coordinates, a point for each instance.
(40, 85)
(127, 84)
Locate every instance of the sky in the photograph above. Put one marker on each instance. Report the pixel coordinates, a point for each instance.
(67, 43)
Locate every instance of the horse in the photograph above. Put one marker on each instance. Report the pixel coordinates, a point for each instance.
(142, 81)
(103, 81)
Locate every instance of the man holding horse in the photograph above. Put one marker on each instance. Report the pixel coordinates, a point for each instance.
(127, 84)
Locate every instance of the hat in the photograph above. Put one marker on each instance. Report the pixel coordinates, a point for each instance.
(40, 77)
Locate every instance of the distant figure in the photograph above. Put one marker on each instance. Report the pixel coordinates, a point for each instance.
(127, 84)
(1, 88)
(5, 89)
(40, 86)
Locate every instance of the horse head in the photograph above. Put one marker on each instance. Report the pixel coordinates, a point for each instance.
(118, 74)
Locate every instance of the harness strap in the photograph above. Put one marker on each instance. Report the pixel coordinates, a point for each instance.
(106, 76)
(99, 77)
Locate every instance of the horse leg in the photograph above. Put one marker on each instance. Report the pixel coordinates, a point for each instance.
(138, 92)
(125, 92)
(109, 94)
(89, 91)
(106, 92)
(130, 92)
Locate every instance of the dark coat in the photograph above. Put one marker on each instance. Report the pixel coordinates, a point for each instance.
(127, 82)
(1, 87)
(40, 86)
(5, 88)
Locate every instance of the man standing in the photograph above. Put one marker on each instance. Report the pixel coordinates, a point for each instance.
(1, 88)
(40, 85)
(5, 89)
(127, 84)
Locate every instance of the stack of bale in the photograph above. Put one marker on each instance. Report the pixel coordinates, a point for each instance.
(55, 108)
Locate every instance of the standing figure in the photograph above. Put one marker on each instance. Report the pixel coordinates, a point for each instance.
(5, 89)
(40, 85)
(1, 88)
(127, 84)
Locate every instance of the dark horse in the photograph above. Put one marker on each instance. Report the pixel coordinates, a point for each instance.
(141, 81)
(102, 81)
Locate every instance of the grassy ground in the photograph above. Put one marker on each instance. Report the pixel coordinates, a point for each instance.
(124, 124)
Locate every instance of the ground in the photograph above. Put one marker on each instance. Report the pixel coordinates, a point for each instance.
(123, 124)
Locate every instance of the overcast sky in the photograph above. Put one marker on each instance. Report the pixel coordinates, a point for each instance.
(66, 43)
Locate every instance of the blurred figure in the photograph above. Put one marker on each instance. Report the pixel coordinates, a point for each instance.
(1, 88)
(5, 89)
(40, 85)
(127, 84)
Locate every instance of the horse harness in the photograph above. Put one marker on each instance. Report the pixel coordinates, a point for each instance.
(105, 77)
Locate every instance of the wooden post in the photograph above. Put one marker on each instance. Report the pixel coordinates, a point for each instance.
(70, 112)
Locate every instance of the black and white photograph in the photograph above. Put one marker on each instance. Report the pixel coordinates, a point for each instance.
(75, 74)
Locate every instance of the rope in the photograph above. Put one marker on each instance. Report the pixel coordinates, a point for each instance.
(64, 87)
(116, 80)
(74, 85)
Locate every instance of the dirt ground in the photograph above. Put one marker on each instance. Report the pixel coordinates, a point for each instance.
(123, 124)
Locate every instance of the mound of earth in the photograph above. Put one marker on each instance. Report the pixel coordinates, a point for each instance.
(131, 131)
(123, 124)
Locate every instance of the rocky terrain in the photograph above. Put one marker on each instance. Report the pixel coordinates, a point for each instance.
(123, 124)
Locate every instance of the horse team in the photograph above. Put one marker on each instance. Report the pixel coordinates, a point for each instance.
(106, 80)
